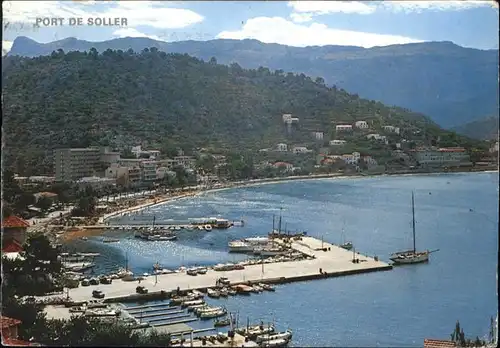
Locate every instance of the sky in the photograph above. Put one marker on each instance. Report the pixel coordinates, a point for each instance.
(296, 23)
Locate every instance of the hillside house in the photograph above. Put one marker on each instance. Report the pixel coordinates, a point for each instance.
(378, 137)
(351, 158)
(10, 333)
(288, 119)
(288, 167)
(317, 135)
(361, 124)
(343, 128)
(281, 147)
(337, 142)
(370, 161)
(14, 231)
(391, 129)
(300, 150)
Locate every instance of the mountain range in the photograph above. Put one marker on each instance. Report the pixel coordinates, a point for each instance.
(485, 128)
(451, 84)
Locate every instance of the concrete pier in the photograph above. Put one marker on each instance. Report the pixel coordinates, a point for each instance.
(333, 262)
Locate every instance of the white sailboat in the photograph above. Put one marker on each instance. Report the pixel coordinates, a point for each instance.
(347, 245)
(411, 256)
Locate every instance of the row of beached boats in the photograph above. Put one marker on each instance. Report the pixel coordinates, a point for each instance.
(240, 289)
(266, 336)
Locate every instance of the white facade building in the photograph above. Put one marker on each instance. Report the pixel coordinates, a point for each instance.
(378, 137)
(391, 129)
(343, 128)
(300, 150)
(337, 142)
(318, 135)
(361, 124)
(282, 147)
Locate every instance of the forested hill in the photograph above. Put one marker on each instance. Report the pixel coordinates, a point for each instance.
(451, 84)
(122, 98)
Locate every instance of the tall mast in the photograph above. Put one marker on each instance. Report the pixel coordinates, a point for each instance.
(273, 223)
(154, 218)
(279, 223)
(413, 213)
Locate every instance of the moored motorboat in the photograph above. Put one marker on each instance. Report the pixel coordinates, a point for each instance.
(280, 342)
(287, 335)
(213, 293)
(213, 314)
(239, 246)
(192, 303)
(223, 292)
(267, 287)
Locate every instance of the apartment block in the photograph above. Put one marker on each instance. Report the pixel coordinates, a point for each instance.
(76, 163)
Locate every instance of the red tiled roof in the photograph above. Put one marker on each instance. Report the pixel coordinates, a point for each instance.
(12, 247)
(17, 343)
(9, 322)
(14, 221)
(430, 343)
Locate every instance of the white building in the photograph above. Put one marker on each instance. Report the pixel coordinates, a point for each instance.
(282, 147)
(391, 129)
(337, 142)
(494, 147)
(369, 160)
(378, 137)
(442, 156)
(185, 161)
(343, 128)
(287, 166)
(148, 171)
(97, 183)
(288, 119)
(351, 158)
(300, 150)
(317, 135)
(361, 124)
(139, 152)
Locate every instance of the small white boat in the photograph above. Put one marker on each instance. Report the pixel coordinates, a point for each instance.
(257, 240)
(200, 310)
(207, 227)
(223, 292)
(167, 238)
(239, 246)
(213, 314)
(192, 303)
(280, 342)
(267, 287)
(287, 335)
(213, 293)
(258, 288)
(193, 308)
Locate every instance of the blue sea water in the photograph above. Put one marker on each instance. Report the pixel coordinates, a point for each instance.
(455, 213)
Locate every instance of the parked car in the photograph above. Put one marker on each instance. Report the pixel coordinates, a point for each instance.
(97, 294)
(224, 281)
(141, 290)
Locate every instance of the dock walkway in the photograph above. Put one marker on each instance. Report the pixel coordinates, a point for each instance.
(335, 262)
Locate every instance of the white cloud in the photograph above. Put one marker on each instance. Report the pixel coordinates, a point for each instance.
(303, 11)
(301, 17)
(420, 6)
(279, 30)
(326, 7)
(146, 13)
(6, 46)
(131, 32)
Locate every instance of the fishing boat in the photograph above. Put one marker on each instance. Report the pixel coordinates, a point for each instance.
(192, 303)
(167, 237)
(280, 342)
(267, 287)
(258, 288)
(287, 335)
(213, 293)
(223, 322)
(223, 292)
(199, 311)
(239, 246)
(213, 314)
(411, 256)
(257, 240)
(193, 308)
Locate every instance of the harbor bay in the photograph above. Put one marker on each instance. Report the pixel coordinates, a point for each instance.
(395, 308)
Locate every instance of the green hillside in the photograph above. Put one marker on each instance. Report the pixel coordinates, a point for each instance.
(484, 128)
(121, 99)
